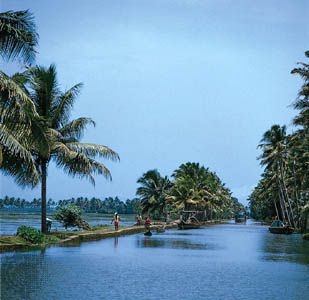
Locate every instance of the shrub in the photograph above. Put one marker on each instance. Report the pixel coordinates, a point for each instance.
(30, 234)
(71, 216)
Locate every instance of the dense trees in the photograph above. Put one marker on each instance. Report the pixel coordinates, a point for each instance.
(283, 190)
(193, 187)
(90, 205)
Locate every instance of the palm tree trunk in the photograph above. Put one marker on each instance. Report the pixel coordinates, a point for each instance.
(43, 195)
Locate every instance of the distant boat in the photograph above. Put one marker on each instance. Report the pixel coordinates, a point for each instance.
(278, 227)
(240, 218)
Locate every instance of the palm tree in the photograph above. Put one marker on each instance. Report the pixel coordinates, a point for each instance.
(63, 136)
(18, 36)
(18, 39)
(275, 158)
(190, 189)
(153, 192)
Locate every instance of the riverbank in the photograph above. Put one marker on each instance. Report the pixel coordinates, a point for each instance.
(16, 243)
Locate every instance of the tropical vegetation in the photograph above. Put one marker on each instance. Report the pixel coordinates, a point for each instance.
(35, 125)
(109, 205)
(191, 187)
(283, 190)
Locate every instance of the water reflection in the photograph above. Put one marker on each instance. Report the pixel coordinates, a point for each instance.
(281, 247)
(154, 242)
(115, 241)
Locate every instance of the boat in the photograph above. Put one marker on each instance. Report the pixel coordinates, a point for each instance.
(188, 221)
(278, 227)
(188, 225)
(240, 217)
(148, 233)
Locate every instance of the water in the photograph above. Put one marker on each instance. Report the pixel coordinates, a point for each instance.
(11, 220)
(226, 261)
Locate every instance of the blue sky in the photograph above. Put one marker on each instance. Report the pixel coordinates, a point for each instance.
(171, 81)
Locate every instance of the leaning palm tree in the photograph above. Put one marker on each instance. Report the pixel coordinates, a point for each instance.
(63, 135)
(274, 158)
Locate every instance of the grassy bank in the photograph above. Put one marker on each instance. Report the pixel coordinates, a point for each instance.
(13, 243)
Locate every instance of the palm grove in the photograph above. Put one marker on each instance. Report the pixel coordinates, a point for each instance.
(283, 190)
(35, 125)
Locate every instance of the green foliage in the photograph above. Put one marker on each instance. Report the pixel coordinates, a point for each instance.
(153, 192)
(194, 188)
(30, 234)
(283, 188)
(69, 216)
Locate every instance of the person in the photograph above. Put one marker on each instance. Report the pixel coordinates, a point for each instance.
(49, 224)
(116, 221)
(147, 223)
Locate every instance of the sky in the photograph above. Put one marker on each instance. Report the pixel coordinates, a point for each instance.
(170, 81)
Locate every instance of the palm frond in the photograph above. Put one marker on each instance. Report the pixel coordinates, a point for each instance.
(76, 128)
(63, 105)
(18, 36)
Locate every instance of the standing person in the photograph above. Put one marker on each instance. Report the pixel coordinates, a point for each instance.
(116, 221)
(147, 223)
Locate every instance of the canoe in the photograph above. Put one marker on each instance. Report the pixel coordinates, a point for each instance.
(281, 230)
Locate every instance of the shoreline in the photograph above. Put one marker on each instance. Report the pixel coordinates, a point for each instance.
(86, 236)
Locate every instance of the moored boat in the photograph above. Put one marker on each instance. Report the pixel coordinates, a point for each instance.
(189, 220)
(278, 227)
(188, 225)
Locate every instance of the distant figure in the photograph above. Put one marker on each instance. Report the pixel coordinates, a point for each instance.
(147, 224)
(116, 221)
(139, 220)
(48, 224)
(168, 219)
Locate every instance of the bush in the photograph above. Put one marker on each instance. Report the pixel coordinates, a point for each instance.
(30, 234)
(71, 216)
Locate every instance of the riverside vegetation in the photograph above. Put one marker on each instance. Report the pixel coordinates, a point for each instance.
(283, 190)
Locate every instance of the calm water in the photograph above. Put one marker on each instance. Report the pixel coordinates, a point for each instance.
(226, 261)
(11, 220)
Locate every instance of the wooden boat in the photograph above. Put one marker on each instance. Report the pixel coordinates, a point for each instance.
(278, 227)
(188, 221)
(188, 225)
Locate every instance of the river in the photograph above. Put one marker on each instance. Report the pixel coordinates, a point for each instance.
(225, 261)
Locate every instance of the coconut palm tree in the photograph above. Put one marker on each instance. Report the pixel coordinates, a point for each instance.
(63, 135)
(275, 159)
(18, 39)
(153, 192)
(191, 188)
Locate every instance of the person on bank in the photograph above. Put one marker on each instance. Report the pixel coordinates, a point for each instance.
(147, 224)
(116, 221)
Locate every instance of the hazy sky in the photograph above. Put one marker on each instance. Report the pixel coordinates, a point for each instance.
(171, 81)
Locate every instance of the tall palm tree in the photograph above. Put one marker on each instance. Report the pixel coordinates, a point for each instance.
(153, 191)
(275, 158)
(63, 135)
